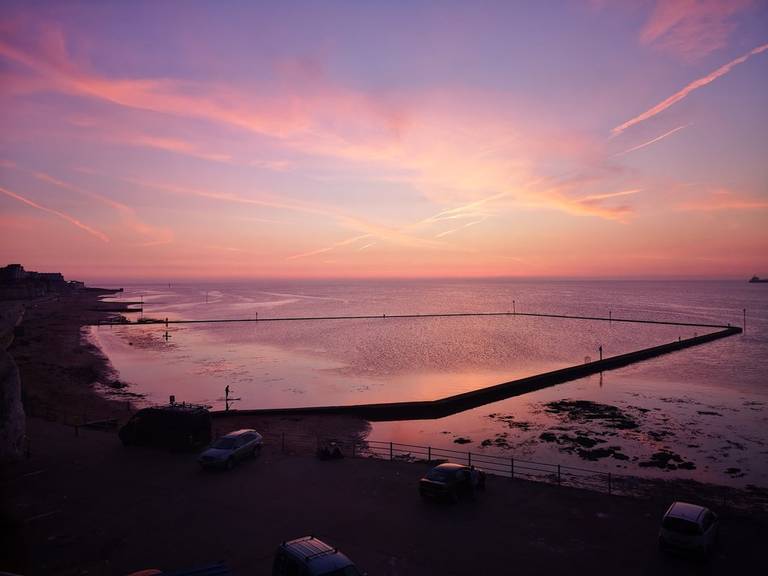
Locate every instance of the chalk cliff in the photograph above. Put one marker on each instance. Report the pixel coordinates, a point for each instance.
(12, 419)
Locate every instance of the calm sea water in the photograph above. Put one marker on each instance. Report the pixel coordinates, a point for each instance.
(708, 405)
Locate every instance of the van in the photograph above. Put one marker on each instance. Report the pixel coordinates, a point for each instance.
(309, 556)
(172, 426)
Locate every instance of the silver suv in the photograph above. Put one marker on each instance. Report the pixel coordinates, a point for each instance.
(309, 556)
(228, 450)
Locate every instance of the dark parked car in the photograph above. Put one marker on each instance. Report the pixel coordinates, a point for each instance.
(172, 426)
(309, 556)
(451, 481)
(228, 450)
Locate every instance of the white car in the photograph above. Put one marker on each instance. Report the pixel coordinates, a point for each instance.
(228, 450)
(689, 527)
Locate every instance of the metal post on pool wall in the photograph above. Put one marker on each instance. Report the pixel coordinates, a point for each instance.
(600, 349)
(514, 311)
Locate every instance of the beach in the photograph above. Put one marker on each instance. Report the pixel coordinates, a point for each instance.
(67, 379)
(79, 500)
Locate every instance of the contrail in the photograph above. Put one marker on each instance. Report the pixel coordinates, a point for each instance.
(644, 144)
(695, 85)
(100, 235)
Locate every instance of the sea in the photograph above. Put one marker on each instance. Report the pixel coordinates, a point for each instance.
(700, 413)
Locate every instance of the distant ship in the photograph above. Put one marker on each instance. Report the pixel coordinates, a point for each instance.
(755, 279)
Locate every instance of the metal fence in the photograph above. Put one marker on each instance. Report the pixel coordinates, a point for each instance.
(503, 466)
(514, 468)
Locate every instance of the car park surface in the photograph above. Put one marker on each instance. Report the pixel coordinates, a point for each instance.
(86, 504)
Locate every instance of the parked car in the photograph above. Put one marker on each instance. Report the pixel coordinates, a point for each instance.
(228, 450)
(174, 426)
(451, 481)
(215, 569)
(309, 556)
(689, 527)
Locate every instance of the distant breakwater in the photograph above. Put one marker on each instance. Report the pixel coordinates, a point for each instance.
(432, 409)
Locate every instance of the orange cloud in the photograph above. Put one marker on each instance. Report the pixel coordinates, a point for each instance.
(695, 85)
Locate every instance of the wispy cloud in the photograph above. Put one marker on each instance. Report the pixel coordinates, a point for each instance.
(652, 141)
(339, 244)
(174, 145)
(723, 200)
(681, 94)
(63, 215)
(598, 197)
(453, 230)
(691, 29)
(152, 235)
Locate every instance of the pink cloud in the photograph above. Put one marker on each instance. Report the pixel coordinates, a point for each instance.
(63, 215)
(144, 234)
(691, 29)
(681, 94)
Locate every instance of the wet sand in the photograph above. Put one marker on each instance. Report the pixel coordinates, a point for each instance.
(67, 379)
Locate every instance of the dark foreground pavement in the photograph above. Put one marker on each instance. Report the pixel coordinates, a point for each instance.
(86, 505)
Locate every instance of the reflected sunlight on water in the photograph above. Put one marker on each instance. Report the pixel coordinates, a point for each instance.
(303, 363)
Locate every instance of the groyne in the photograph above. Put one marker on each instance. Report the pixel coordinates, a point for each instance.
(431, 409)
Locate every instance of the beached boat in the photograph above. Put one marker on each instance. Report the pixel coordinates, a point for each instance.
(755, 279)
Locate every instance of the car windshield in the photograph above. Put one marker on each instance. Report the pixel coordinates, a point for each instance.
(681, 526)
(438, 475)
(224, 444)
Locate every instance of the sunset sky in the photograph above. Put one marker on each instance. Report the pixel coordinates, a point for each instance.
(173, 140)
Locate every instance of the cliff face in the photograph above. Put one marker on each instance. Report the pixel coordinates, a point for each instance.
(12, 419)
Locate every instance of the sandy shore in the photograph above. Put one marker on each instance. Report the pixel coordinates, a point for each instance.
(59, 369)
(67, 379)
